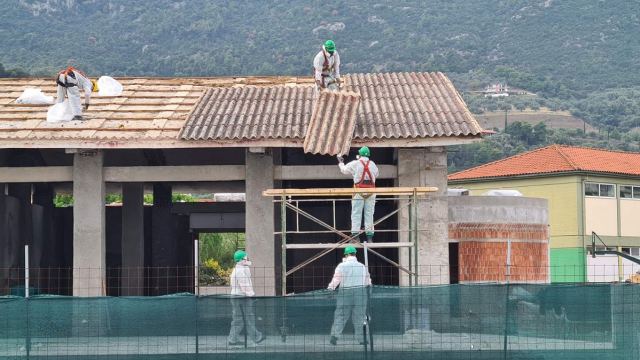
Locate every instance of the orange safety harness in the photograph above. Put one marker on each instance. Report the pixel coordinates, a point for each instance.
(326, 68)
(68, 72)
(365, 183)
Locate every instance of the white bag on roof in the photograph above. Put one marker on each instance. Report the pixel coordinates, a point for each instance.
(34, 96)
(60, 112)
(108, 86)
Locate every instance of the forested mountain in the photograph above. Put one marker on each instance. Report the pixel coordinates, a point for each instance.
(553, 46)
(581, 55)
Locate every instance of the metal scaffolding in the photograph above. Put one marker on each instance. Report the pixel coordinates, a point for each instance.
(292, 199)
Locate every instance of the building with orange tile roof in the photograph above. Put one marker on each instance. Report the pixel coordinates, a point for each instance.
(589, 191)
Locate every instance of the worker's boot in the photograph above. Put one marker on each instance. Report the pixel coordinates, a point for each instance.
(78, 117)
(333, 340)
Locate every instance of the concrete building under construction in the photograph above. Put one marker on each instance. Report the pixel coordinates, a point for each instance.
(210, 135)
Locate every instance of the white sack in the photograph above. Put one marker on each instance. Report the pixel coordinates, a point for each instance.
(60, 112)
(108, 86)
(34, 96)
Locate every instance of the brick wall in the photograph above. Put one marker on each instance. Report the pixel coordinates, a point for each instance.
(482, 251)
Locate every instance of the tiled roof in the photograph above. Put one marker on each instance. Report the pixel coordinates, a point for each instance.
(149, 114)
(556, 159)
(332, 122)
(393, 106)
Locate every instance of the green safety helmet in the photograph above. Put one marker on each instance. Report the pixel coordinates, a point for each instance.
(239, 255)
(330, 46)
(349, 250)
(364, 151)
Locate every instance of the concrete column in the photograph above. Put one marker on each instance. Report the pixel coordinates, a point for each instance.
(427, 167)
(88, 225)
(163, 242)
(132, 282)
(259, 223)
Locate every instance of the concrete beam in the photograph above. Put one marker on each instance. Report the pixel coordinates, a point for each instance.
(36, 174)
(259, 224)
(325, 172)
(230, 222)
(88, 225)
(174, 173)
(132, 282)
(179, 173)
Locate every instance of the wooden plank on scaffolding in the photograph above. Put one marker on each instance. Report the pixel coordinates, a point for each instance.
(423, 190)
(358, 245)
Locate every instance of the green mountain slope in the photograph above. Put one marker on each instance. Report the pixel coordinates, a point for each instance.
(580, 45)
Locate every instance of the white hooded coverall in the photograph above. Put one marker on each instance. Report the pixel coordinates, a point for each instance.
(353, 278)
(80, 82)
(327, 69)
(242, 307)
(360, 203)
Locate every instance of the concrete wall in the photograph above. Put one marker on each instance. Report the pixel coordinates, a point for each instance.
(488, 228)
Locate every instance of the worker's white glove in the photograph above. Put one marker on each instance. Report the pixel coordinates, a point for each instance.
(340, 159)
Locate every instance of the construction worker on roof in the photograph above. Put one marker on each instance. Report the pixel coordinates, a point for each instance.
(351, 278)
(70, 81)
(326, 67)
(364, 172)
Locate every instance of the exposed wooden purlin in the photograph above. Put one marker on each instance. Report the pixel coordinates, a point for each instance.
(350, 191)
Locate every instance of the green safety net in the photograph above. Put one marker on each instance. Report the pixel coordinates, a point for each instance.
(488, 321)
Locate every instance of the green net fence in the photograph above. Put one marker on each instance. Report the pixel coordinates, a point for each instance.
(487, 321)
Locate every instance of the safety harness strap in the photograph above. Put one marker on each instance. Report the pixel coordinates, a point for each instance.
(370, 183)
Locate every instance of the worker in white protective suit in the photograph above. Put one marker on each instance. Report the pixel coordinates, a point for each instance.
(326, 67)
(70, 81)
(364, 172)
(242, 305)
(351, 279)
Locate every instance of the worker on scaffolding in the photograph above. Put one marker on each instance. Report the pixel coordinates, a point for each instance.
(242, 306)
(326, 67)
(351, 278)
(70, 81)
(364, 172)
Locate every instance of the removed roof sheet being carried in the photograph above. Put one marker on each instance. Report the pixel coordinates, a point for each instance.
(332, 123)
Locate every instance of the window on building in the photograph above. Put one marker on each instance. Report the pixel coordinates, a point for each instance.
(629, 192)
(591, 189)
(635, 251)
(602, 190)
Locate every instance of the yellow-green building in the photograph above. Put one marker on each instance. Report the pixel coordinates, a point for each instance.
(589, 190)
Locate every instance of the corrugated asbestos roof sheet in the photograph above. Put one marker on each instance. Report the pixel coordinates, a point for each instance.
(556, 159)
(392, 106)
(409, 105)
(250, 113)
(332, 122)
(149, 114)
